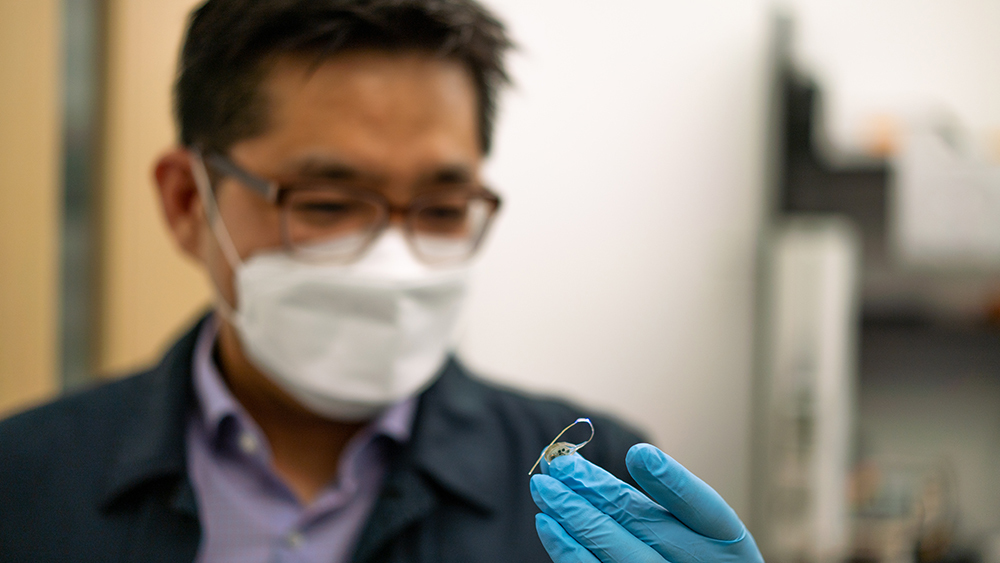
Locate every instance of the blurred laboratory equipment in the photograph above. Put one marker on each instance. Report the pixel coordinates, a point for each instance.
(946, 197)
(807, 400)
(878, 348)
(903, 510)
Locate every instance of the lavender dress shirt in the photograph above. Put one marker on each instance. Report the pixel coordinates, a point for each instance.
(247, 513)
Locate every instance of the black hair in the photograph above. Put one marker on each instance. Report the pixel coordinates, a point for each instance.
(229, 44)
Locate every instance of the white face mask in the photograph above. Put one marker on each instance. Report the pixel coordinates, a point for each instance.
(345, 341)
(348, 341)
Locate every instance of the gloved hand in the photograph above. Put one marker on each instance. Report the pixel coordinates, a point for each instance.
(589, 516)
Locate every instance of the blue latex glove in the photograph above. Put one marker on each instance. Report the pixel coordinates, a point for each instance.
(589, 516)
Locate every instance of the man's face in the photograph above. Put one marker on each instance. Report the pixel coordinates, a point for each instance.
(401, 124)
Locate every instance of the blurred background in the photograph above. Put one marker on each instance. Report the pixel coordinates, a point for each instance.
(765, 232)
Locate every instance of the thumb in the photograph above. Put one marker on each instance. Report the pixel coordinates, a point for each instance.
(686, 496)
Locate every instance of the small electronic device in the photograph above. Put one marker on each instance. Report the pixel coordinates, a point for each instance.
(557, 448)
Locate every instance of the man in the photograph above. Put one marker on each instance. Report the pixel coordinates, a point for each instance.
(328, 182)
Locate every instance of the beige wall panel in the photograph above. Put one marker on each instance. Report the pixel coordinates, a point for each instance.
(148, 290)
(30, 71)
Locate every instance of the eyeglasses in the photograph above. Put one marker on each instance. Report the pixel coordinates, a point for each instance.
(324, 221)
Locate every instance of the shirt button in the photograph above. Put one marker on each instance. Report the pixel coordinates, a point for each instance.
(294, 540)
(248, 443)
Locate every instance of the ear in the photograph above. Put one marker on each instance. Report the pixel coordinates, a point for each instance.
(182, 206)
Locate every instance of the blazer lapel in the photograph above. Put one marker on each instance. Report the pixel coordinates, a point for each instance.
(406, 498)
(148, 475)
(448, 459)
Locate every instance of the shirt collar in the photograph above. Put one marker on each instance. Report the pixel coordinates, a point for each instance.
(214, 400)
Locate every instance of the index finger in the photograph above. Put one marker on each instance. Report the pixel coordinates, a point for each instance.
(686, 496)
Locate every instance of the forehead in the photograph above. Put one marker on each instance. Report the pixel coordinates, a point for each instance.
(371, 105)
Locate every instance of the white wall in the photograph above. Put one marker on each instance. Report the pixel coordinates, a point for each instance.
(620, 273)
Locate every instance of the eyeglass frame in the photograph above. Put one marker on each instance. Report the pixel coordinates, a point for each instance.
(272, 192)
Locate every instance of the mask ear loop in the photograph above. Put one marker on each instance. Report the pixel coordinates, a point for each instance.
(204, 186)
(550, 453)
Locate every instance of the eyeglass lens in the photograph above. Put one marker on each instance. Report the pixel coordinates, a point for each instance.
(334, 224)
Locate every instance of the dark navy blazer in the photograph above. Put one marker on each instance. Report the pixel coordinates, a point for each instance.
(101, 475)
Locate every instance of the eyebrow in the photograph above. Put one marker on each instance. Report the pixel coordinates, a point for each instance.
(333, 169)
(327, 168)
(451, 174)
